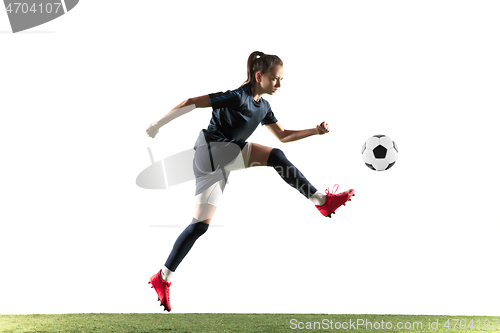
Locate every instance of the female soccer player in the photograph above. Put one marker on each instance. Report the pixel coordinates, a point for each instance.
(222, 148)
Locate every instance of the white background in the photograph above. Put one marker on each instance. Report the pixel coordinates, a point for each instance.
(77, 94)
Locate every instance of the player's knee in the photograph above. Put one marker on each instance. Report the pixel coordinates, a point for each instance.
(206, 221)
(199, 227)
(276, 157)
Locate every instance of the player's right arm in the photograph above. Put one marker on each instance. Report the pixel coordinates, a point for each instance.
(181, 109)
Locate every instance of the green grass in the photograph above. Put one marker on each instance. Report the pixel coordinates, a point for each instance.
(178, 322)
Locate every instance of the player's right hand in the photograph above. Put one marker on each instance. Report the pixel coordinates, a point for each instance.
(152, 130)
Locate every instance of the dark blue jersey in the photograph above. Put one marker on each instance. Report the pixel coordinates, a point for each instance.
(236, 115)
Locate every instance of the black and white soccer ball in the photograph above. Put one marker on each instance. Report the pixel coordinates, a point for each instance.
(379, 152)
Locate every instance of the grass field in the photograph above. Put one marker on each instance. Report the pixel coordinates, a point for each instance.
(178, 322)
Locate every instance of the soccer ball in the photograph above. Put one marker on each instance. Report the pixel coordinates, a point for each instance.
(379, 152)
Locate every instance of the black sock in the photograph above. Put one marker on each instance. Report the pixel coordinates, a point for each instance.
(290, 173)
(184, 243)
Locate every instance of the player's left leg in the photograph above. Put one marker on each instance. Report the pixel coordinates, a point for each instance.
(205, 207)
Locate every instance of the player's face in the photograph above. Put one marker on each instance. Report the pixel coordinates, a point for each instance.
(271, 81)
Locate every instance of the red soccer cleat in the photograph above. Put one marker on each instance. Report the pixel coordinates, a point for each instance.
(334, 201)
(162, 288)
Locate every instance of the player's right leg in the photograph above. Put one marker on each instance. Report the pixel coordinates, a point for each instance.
(266, 156)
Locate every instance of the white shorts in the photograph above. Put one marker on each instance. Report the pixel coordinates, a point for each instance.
(213, 194)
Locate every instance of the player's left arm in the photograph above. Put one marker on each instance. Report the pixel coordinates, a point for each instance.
(285, 135)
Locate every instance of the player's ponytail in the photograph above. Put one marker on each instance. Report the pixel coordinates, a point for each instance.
(260, 62)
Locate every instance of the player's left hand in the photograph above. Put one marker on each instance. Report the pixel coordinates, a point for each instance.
(323, 128)
(152, 130)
